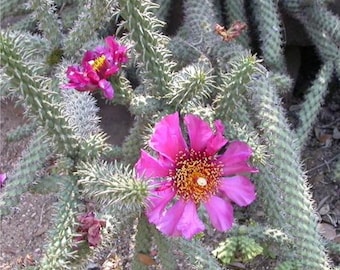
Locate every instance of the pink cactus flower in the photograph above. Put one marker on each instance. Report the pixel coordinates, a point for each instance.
(97, 66)
(3, 178)
(207, 170)
(89, 228)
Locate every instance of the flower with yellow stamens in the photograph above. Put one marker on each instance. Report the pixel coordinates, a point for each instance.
(97, 67)
(207, 170)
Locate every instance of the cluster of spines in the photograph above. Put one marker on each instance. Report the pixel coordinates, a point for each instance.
(113, 185)
(80, 110)
(12, 7)
(194, 82)
(6, 87)
(33, 50)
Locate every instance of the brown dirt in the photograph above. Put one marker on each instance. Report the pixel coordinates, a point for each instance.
(23, 233)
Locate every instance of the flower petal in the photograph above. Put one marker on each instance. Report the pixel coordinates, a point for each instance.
(149, 167)
(3, 178)
(158, 200)
(112, 44)
(168, 223)
(199, 132)
(239, 189)
(167, 138)
(220, 212)
(219, 127)
(118, 51)
(107, 88)
(91, 74)
(77, 79)
(189, 225)
(93, 236)
(235, 159)
(215, 144)
(218, 140)
(89, 56)
(111, 70)
(181, 220)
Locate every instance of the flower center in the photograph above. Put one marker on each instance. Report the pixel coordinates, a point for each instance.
(98, 63)
(196, 176)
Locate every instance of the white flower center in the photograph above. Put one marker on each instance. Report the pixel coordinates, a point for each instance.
(201, 181)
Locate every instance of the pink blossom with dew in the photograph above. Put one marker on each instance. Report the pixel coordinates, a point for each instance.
(3, 178)
(97, 66)
(194, 173)
(89, 228)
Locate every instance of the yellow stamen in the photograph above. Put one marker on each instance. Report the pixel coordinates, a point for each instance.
(98, 63)
(196, 176)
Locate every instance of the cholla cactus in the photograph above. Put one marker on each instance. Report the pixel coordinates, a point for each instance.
(213, 83)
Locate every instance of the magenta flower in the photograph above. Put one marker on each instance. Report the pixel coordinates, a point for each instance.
(206, 171)
(3, 178)
(97, 66)
(89, 228)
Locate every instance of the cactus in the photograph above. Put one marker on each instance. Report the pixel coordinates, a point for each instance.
(91, 16)
(193, 71)
(44, 13)
(40, 102)
(235, 11)
(12, 7)
(194, 82)
(61, 251)
(115, 185)
(164, 249)
(143, 241)
(271, 33)
(196, 254)
(314, 100)
(25, 173)
(148, 43)
(288, 179)
(21, 132)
